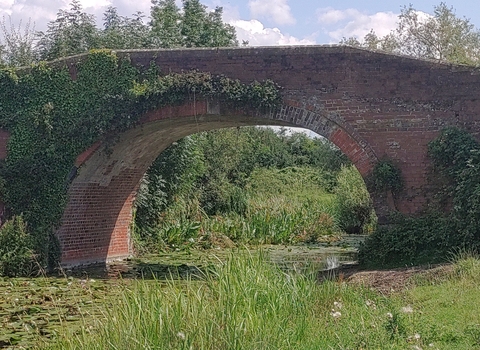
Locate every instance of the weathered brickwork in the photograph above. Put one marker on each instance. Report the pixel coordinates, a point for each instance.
(371, 105)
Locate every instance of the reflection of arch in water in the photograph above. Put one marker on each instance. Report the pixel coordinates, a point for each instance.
(95, 225)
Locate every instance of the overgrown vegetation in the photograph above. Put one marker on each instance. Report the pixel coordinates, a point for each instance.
(385, 176)
(252, 185)
(16, 249)
(453, 220)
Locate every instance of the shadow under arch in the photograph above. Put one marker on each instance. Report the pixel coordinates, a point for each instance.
(95, 227)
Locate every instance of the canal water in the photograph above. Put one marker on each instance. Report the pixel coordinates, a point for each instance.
(182, 264)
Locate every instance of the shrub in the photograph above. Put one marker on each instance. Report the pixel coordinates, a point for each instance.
(16, 257)
(409, 241)
(385, 176)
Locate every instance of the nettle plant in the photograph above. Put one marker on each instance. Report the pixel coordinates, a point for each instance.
(52, 118)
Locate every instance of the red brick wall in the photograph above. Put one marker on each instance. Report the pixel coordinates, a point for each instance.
(371, 105)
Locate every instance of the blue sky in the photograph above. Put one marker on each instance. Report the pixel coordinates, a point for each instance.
(267, 22)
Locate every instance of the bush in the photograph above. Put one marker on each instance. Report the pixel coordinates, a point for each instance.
(16, 249)
(385, 176)
(410, 241)
(354, 208)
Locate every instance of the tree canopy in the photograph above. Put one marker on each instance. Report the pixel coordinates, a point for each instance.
(442, 36)
(74, 31)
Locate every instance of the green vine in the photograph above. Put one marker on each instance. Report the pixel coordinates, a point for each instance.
(385, 176)
(53, 118)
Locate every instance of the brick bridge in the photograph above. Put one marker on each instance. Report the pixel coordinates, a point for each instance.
(371, 105)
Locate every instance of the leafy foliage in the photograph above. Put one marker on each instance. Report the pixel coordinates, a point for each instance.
(72, 32)
(165, 23)
(409, 241)
(17, 48)
(16, 248)
(385, 176)
(120, 32)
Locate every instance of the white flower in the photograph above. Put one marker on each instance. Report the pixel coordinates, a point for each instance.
(335, 314)
(407, 309)
(389, 315)
(337, 304)
(181, 335)
(370, 303)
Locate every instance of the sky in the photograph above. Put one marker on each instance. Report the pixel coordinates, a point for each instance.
(265, 22)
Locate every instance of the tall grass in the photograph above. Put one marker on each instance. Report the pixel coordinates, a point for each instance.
(244, 303)
(247, 303)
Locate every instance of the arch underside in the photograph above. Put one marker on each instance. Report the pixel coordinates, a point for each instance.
(96, 223)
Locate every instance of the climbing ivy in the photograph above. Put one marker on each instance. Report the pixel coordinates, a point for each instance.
(385, 176)
(52, 118)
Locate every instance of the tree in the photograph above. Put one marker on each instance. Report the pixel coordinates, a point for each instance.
(202, 29)
(165, 24)
(123, 32)
(73, 32)
(441, 36)
(17, 47)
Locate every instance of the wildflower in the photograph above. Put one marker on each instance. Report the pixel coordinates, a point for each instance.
(389, 315)
(335, 314)
(181, 335)
(407, 309)
(337, 305)
(415, 337)
(371, 303)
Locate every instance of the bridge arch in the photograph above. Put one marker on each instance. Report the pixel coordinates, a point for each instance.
(96, 223)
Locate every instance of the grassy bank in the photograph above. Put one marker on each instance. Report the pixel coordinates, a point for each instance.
(247, 303)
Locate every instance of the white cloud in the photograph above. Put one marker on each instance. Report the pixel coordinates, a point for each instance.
(276, 10)
(95, 4)
(330, 15)
(256, 34)
(41, 11)
(352, 22)
(6, 4)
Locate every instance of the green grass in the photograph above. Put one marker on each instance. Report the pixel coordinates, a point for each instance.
(247, 303)
(282, 207)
